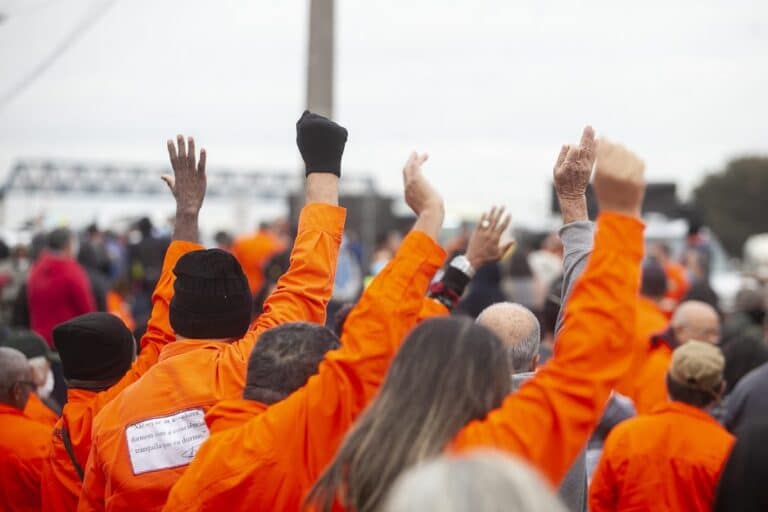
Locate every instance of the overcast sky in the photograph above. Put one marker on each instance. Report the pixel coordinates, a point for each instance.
(489, 88)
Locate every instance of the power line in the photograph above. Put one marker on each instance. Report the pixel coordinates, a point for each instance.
(80, 28)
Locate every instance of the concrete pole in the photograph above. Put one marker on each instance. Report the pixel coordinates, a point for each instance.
(320, 57)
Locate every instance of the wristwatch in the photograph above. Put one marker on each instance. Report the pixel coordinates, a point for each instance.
(462, 263)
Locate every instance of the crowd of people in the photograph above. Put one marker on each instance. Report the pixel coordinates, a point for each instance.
(585, 371)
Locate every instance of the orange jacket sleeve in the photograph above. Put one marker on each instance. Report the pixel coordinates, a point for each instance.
(309, 425)
(549, 420)
(303, 292)
(60, 478)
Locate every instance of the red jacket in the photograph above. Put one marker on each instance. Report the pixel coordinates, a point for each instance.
(144, 439)
(667, 461)
(270, 462)
(57, 290)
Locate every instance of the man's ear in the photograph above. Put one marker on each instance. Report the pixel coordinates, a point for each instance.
(535, 362)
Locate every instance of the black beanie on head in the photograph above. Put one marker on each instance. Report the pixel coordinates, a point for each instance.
(94, 347)
(211, 298)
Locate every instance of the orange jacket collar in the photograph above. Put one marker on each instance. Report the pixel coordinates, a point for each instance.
(676, 407)
(183, 346)
(7, 409)
(233, 413)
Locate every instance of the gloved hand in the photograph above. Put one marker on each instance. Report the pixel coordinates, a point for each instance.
(321, 143)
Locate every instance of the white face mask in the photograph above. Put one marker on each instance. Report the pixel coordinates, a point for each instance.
(46, 389)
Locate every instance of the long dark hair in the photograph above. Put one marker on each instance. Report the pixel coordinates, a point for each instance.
(448, 372)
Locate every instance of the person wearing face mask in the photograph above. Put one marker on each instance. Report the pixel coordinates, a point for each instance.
(24, 443)
(40, 406)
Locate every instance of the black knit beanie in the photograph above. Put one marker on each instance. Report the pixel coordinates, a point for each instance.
(94, 347)
(211, 298)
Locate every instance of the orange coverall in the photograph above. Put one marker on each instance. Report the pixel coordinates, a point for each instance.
(650, 320)
(667, 461)
(61, 484)
(144, 439)
(270, 462)
(651, 383)
(253, 252)
(255, 466)
(38, 411)
(23, 446)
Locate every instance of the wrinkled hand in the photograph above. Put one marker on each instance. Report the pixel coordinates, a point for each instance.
(420, 195)
(484, 244)
(619, 179)
(188, 182)
(574, 167)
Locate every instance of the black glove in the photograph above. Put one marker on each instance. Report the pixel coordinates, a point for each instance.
(321, 143)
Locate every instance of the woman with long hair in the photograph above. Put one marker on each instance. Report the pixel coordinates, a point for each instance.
(447, 388)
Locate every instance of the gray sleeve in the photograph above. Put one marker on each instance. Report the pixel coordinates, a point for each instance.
(578, 239)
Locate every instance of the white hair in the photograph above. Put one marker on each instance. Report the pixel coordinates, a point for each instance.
(518, 328)
(13, 368)
(483, 480)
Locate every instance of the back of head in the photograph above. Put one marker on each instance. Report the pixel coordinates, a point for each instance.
(696, 320)
(212, 299)
(483, 480)
(742, 481)
(59, 240)
(654, 281)
(14, 372)
(96, 349)
(448, 372)
(284, 358)
(695, 374)
(742, 355)
(518, 329)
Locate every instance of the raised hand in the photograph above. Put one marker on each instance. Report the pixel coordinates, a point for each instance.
(572, 172)
(188, 182)
(321, 143)
(484, 244)
(619, 179)
(422, 197)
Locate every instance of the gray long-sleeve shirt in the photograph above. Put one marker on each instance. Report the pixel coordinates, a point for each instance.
(577, 240)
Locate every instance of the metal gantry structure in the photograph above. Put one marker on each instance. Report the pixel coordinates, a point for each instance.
(62, 177)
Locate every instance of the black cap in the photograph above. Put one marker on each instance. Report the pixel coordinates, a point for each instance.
(94, 347)
(30, 344)
(211, 298)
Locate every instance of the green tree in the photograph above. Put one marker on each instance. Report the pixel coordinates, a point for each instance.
(734, 202)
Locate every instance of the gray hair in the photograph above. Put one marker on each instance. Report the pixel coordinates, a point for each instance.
(518, 328)
(13, 368)
(483, 480)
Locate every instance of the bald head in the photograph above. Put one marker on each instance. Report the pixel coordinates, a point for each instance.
(695, 320)
(14, 369)
(519, 330)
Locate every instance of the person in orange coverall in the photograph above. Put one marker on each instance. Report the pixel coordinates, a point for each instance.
(40, 406)
(671, 459)
(309, 424)
(24, 441)
(144, 439)
(448, 387)
(98, 351)
(253, 252)
(692, 320)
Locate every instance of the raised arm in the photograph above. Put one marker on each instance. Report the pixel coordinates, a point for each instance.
(303, 292)
(187, 184)
(572, 173)
(565, 399)
(484, 247)
(310, 423)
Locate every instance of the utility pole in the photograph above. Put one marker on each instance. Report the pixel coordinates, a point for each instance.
(320, 57)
